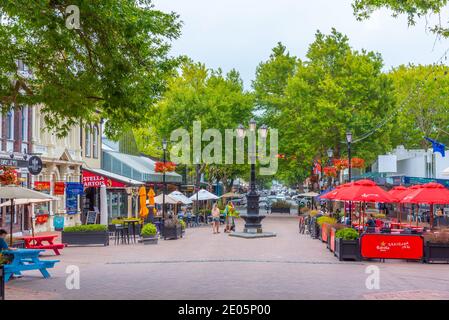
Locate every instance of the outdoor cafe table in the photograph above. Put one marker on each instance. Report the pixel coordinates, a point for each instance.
(25, 260)
(45, 242)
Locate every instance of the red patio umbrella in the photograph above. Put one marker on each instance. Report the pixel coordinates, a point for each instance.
(399, 192)
(430, 193)
(332, 194)
(365, 191)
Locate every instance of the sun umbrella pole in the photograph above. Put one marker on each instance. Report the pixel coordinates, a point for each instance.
(431, 217)
(11, 222)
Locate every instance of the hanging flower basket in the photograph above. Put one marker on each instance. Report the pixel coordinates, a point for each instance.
(330, 172)
(42, 219)
(8, 176)
(341, 164)
(164, 167)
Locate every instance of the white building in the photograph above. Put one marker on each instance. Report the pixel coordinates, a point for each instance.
(417, 163)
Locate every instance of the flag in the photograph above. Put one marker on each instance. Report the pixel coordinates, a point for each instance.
(437, 146)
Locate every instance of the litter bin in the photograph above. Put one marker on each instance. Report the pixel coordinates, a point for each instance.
(2, 283)
(58, 223)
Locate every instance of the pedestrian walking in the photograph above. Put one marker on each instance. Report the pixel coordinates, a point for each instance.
(215, 219)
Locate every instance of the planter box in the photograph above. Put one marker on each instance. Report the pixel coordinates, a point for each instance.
(436, 252)
(347, 249)
(85, 238)
(2, 283)
(331, 242)
(173, 232)
(325, 231)
(280, 210)
(150, 239)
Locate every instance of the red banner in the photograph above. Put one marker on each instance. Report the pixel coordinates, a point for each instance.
(390, 246)
(42, 185)
(59, 188)
(93, 180)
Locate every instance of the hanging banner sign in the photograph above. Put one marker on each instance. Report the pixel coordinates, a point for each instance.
(42, 185)
(388, 246)
(74, 188)
(93, 180)
(59, 188)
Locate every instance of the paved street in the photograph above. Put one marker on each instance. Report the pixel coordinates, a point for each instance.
(207, 266)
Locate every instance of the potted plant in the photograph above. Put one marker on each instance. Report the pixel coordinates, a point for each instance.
(85, 235)
(281, 207)
(436, 246)
(172, 229)
(149, 234)
(333, 230)
(347, 244)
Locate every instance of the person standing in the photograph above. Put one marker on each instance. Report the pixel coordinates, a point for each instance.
(215, 219)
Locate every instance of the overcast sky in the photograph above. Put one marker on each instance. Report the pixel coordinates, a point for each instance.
(241, 33)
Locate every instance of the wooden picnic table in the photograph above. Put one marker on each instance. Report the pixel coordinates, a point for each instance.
(45, 242)
(25, 260)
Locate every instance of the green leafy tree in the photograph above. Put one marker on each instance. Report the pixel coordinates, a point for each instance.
(114, 66)
(199, 94)
(422, 94)
(334, 89)
(413, 9)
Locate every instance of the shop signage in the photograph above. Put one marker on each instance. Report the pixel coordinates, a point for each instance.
(74, 188)
(388, 246)
(35, 165)
(71, 204)
(59, 188)
(42, 185)
(93, 180)
(8, 162)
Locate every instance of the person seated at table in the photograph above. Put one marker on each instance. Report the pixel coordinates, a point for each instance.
(3, 243)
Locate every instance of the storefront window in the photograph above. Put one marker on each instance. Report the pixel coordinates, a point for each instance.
(117, 204)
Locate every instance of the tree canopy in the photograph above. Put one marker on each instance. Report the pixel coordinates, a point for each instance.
(422, 95)
(217, 100)
(334, 89)
(413, 9)
(114, 66)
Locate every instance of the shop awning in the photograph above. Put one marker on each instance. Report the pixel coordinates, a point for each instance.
(95, 178)
(136, 167)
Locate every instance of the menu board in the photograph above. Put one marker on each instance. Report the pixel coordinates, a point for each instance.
(91, 217)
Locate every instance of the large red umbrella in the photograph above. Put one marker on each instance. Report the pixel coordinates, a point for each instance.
(332, 194)
(398, 191)
(430, 193)
(365, 191)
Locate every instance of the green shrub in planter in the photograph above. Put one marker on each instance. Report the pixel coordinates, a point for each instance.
(347, 234)
(148, 230)
(280, 204)
(326, 219)
(86, 228)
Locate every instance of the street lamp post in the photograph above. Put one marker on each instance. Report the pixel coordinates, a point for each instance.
(252, 217)
(349, 141)
(198, 185)
(164, 147)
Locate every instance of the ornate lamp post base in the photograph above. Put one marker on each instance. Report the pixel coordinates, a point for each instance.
(253, 221)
